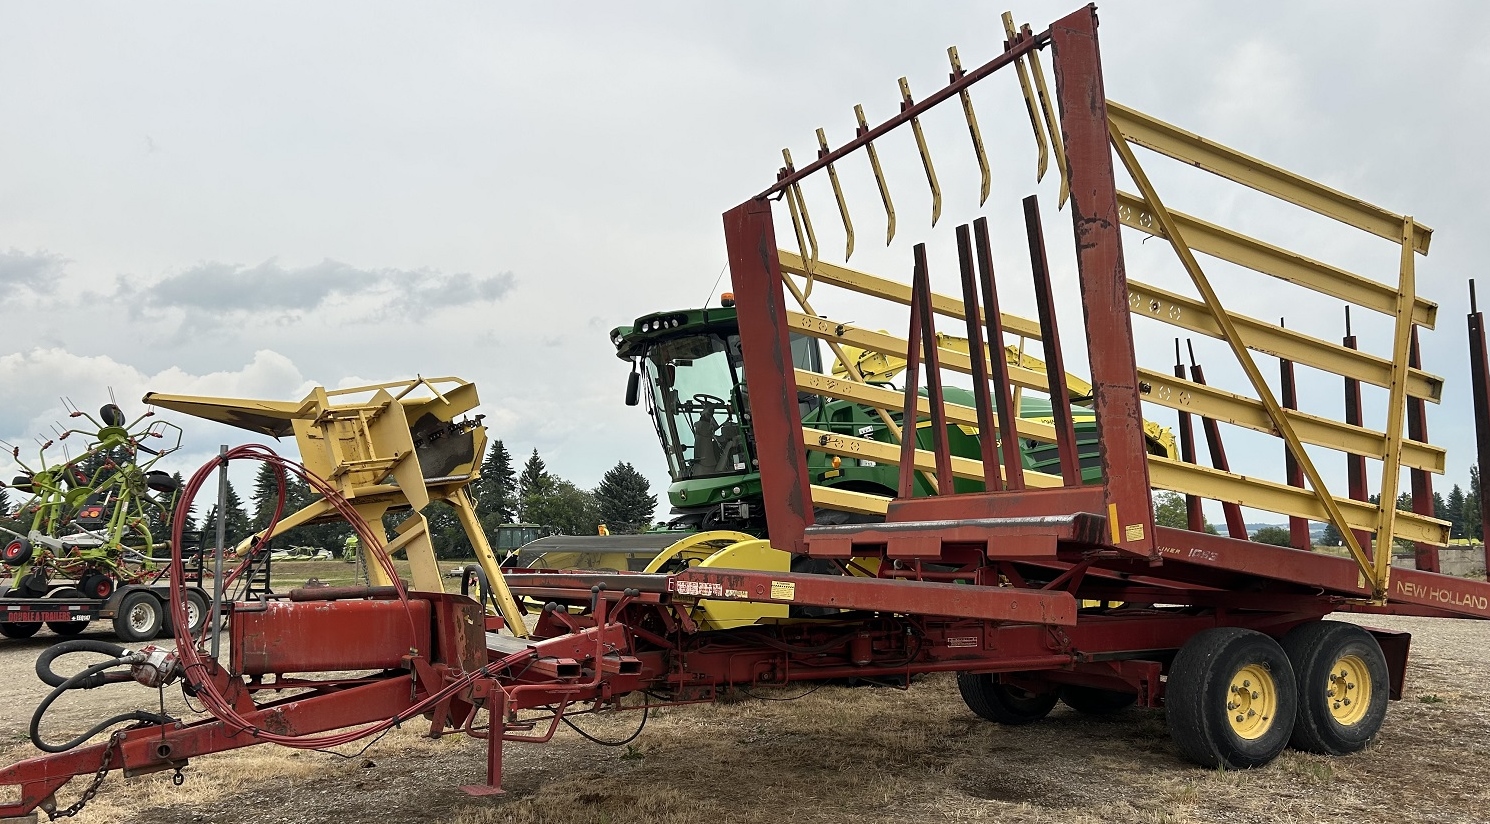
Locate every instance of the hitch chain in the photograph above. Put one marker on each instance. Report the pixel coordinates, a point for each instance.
(92, 788)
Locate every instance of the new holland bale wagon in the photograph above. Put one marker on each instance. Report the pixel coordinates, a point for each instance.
(1035, 589)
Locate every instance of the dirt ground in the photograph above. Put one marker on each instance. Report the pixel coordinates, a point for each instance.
(837, 754)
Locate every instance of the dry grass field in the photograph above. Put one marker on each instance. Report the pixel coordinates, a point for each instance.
(836, 754)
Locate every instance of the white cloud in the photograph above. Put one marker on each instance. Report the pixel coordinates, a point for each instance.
(49, 375)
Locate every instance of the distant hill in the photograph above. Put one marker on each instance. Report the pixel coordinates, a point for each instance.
(1316, 529)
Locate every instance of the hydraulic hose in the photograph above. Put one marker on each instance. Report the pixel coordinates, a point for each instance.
(75, 682)
(52, 653)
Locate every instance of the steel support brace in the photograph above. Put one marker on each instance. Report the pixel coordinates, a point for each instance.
(750, 239)
(1479, 374)
(1104, 283)
(1425, 556)
(494, 737)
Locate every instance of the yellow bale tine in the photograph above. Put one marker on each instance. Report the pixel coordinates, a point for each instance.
(1052, 126)
(848, 225)
(879, 176)
(972, 126)
(936, 190)
(792, 205)
(1029, 102)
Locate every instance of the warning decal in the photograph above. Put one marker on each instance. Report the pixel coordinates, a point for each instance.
(783, 590)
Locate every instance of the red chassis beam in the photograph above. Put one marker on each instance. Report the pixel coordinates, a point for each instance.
(151, 749)
(1007, 604)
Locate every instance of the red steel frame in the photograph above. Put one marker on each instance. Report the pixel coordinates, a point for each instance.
(986, 582)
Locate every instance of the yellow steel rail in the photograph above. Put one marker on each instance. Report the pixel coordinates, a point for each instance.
(848, 446)
(1155, 134)
(1215, 484)
(885, 289)
(1268, 338)
(1219, 404)
(831, 387)
(845, 500)
(1254, 254)
(833, 331)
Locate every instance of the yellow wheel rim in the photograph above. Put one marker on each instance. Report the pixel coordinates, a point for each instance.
(1348, 691)
(1252, 701)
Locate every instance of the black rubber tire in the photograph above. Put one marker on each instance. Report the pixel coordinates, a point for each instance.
(161, 482)
(1198, 693)
(91, 585)
(1094, 701)
(67, 629)
(195, 601)
(16, 552)
(111, 415)
(139, 617)
(1313, 649)
(15, 630)
(995, 701)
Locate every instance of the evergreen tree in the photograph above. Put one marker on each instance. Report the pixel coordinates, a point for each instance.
(533, 483)
(495, 492)
(1455, 513)
(445, 532)
(1331, 536)
(624, 499)
(236, 522)
(266, 495)
(190, 535)
(1473, 529)
(4, 502)
(331, 537)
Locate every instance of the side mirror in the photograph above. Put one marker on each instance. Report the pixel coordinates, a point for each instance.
(633, 388)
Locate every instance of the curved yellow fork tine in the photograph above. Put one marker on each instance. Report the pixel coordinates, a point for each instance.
(972, 126)
(848, 225)
(879, 177)
(1029, 102)
(936, 190)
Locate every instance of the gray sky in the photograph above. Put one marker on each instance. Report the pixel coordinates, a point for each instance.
(248, 200)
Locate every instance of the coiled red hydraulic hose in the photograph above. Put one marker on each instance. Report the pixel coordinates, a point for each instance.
(190, 650)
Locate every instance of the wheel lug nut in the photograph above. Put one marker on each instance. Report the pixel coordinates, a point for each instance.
(1240, 718)
(1246, 683)
(1254, 694)
(1347, 702)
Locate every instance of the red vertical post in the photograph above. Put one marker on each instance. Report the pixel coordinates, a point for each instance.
(1425, 556)
(755, 271)
(993, 317)
(910, 418)
(1479, 373)
(921, 298)
(1298, 528)
(978, 358)
(1355, 465)
(1104, 281)
(497, 704)
(1050, 339)
(1236, 525)
(1194, 513)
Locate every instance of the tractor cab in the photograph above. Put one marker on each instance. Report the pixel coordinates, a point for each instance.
(688, 365)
